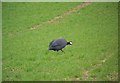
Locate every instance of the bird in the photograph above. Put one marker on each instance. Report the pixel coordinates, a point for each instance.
(58, 44)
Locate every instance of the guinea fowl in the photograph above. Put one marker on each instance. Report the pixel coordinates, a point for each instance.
(58, 44)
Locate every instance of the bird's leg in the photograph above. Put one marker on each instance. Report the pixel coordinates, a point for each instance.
(62, 50)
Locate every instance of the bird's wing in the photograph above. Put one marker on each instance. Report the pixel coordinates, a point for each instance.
(54, 44)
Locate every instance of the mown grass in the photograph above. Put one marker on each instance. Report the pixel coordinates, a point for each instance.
(0, 43)
(93, 30)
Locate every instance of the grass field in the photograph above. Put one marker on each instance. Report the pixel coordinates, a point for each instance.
(93, 29)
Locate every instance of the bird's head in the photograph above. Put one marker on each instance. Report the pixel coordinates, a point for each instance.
(69, 43)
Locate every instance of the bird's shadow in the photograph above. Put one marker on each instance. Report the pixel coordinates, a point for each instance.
(55, 52)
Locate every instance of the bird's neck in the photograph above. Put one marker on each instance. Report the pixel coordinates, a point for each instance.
(68, 43)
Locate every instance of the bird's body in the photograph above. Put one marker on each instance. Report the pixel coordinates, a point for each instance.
(58, 44)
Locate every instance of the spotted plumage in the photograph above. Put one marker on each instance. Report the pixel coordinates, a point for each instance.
(58, 44)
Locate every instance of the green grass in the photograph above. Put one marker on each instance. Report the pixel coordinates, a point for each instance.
(93, 30)
(0, 43)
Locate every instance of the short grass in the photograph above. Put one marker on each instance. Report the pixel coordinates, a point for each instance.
(93, 30)
(0, 44)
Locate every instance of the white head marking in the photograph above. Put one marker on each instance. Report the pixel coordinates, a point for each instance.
(71, 43)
